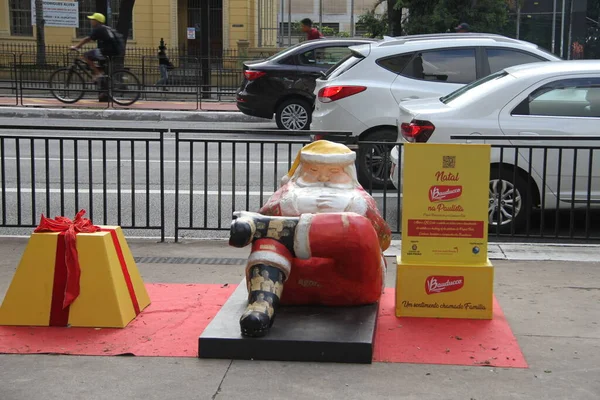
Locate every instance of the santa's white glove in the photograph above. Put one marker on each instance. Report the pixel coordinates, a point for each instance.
(332, 203)
(358, 205)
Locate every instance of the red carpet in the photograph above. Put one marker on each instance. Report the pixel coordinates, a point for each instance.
(445, 341)
(170, 327)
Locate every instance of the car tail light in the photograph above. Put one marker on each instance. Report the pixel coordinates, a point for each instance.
(318, 137)
(254, 75)
(333, 93)
(417, 131)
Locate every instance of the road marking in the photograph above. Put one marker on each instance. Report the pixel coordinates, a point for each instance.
(166, 191)
(182, 162)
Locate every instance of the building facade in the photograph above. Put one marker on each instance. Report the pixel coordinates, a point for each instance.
(223, 21)
(191, 23)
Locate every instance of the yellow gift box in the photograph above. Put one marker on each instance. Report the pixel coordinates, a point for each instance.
(444, 291)
(111, 290)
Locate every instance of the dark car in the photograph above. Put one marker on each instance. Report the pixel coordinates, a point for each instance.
(284, 83)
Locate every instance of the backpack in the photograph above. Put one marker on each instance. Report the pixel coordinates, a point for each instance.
(118, 43)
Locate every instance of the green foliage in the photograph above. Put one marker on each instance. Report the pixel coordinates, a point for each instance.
(330, 32)
(375, 25)
(591, 42)
(435, 16)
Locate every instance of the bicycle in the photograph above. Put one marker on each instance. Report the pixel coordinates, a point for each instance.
(68, 85)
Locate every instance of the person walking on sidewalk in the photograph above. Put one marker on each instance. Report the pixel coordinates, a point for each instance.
(311, 33)
(164, 65)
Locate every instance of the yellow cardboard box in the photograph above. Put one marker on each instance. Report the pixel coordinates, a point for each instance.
(444, 291)
(112, 292)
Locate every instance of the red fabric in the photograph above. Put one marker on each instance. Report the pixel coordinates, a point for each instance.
(59, 315)
(180, 312)
(313, 34)
(346, 264)
(115, 239)
(70, 230)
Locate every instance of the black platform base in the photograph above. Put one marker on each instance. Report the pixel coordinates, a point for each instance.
(326, 334)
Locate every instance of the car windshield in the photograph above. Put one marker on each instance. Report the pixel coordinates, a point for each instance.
(465, 89)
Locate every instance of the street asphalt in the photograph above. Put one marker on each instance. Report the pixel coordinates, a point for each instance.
(552, 308)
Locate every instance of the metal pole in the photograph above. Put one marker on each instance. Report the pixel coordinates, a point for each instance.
(321, 15)
(282, 18)
(569, 51)
(351, 18)
(108, 13)
(562, 30)
(259, 10)
(518, 18)
(554, 26)
(289, 22)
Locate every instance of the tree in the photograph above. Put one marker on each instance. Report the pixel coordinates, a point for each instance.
(125, 17)
(394, 17)
(435, 16)
(375, 24)
(123, 25)
(40, 37)
(592, 39)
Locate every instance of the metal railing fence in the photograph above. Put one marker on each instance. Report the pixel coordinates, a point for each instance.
(188, 182)
(59, 173)
(191, 80)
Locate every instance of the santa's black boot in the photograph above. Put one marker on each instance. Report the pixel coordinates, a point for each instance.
(249, 226)
(265, 286)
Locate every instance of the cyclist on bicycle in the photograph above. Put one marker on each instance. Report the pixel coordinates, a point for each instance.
(110, 44)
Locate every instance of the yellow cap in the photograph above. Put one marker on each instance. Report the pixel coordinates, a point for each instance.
(323, 152)
(97, 17)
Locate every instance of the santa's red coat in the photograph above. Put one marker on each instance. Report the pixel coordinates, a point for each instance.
(346, 265)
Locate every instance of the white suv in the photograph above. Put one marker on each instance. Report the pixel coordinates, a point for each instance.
(362, 92)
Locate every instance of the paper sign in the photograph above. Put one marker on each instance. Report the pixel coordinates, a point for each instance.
(191, 33)
(445, 204)
(58, 13)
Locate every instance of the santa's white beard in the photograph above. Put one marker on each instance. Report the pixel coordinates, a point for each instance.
(303, 184)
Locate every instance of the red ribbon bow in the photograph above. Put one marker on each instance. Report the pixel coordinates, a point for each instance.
(70, 230)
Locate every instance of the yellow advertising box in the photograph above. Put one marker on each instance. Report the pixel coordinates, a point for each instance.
(445, 204)
(111, 290)
(445, 291)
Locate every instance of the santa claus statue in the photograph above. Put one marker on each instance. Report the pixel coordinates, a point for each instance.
(319, 240)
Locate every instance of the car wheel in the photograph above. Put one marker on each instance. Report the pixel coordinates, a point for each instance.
(509, 200)
(374, 160)
(293, 115)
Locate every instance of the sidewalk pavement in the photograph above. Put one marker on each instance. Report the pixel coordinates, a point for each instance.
(184, 111)
(552, 308)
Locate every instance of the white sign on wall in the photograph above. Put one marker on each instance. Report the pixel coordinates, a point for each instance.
(191, 33)
(58, 13)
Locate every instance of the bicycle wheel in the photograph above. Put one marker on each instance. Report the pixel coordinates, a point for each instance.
(125, 87)
(66, 85)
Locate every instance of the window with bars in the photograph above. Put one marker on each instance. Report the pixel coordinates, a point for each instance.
(20, 18)
(88, 7)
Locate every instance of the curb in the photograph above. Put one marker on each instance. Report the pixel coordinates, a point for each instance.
(128, 115)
